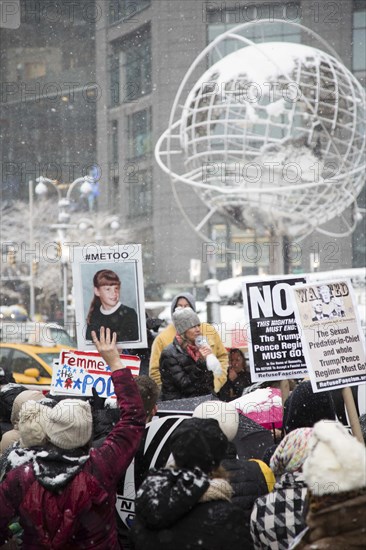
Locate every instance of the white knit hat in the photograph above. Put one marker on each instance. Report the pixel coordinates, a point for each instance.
(336, 461)
(69, 424)
(31, 424)
(27, 395)
(225, 413)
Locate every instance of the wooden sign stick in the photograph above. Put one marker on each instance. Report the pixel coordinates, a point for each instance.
(349, 403)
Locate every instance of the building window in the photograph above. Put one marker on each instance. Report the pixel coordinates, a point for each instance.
(359, 70)
(359, 41)
(114, 141)
(223, 19)
(121, 10)
(130, 67)
(115, 80)
(36, 69)
(137, 66)
(139, 134)
(359, 234)
(140, 193)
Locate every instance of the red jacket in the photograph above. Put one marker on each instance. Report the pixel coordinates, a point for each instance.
(81, 515)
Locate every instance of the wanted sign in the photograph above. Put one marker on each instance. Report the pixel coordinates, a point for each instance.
(331, 334)
(77, 372)
(274, 344)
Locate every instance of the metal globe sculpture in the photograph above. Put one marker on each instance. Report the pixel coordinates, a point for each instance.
(271, 136)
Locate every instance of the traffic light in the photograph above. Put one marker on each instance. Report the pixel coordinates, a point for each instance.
(11, 258)
(35, 265)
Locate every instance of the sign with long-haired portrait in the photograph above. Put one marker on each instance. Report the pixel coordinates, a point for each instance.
(109, 292)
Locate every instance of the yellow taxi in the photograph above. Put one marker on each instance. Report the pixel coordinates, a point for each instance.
(30, 365)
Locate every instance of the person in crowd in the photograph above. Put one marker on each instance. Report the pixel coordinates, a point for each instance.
(152, 326)
(107, 310)
(362, 420)
(335, 474)
(183, 368)
(65, 496)
(249, 478)
(277, 518)
(304, 408)
(8, 393)
(166, 337)
(6, 376)
(12, 436)
(238, 376)
(189, 506)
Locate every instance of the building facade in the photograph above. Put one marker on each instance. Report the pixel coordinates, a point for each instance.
(49, 95)
(144, 50)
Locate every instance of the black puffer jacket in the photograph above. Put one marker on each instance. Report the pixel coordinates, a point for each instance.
(248, 483)
(169, 514)
(181, 376)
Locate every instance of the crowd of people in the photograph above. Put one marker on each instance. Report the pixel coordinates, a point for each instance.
(87, 473)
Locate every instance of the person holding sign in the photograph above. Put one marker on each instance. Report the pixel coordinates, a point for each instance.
(107, 310)
(65, 493)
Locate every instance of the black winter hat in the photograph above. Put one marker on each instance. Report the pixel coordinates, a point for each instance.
(7, 395)
(198, 442)
(304, 408)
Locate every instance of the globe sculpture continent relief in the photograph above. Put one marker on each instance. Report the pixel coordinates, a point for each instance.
(273, 136)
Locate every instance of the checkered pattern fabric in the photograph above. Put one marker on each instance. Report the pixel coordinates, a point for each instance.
(278, 516)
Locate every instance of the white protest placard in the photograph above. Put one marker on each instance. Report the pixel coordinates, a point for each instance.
(274, 344)
(109, 292)
(331, 334)
(77, 372)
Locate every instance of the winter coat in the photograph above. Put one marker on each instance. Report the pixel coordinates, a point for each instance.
(278, 517)
(66, 499)
(166, 337)
(181, 376)
(174, 510)
(233, 389)
(337, 525)
(248, 483)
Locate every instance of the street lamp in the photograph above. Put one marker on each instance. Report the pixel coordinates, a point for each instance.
(110, 222)
(62, 225)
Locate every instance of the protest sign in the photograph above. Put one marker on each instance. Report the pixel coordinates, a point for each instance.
(274, 344)
(331, 334)
(77, 372)
(109, 292)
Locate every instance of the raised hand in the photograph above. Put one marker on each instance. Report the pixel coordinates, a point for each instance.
(106, 346)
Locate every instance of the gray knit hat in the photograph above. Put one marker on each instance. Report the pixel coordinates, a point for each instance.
(185, 318)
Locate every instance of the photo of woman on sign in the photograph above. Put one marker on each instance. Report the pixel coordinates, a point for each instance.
(107, 310)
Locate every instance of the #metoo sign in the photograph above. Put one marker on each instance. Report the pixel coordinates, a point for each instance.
(274, 344)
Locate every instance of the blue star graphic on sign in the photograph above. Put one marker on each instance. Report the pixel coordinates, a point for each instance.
(77, 384)
(59, 382)
(108, 368)
(81, 371)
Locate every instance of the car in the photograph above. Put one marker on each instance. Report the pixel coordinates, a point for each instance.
(30, 365)
(35, 333)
